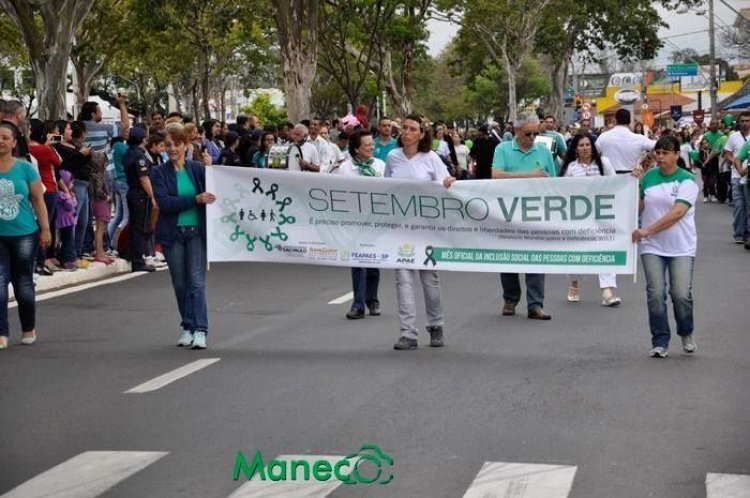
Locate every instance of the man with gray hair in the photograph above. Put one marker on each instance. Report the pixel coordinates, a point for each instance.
(522, 158)
(13, 113)
(307, 154)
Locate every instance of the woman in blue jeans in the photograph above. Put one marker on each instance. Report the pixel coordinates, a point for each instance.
(668, 245)
(21, 205)
(180, 192)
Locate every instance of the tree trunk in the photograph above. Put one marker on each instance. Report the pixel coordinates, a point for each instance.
(50, 79)
(297, 23)
(559, 81)
(205, 83)
(512, 67)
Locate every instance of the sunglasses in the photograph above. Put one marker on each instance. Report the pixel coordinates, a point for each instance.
(532, 134)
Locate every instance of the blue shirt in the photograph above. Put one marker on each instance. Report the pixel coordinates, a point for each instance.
(381, 151)
(98, 135)
(511, 159)
(17, 216)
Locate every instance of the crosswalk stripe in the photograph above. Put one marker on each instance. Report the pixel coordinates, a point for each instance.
(86, 475)
(169, 377)
(343, 299)
(521, 480)
(727, 486)
(257, 488)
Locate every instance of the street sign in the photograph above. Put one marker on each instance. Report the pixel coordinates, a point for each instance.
(676, 112)
(698, 116)
(674, 70)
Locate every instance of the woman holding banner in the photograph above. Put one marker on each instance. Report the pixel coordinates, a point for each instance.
(179, 189)
(414, 160)
(583, 160)
(365, 281)
(668, 243)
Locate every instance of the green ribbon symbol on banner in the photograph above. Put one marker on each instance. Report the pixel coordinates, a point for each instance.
(430, 258)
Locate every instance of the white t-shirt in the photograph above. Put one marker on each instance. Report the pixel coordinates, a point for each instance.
(423, 166)
(623, 148)
(462, 154)
(734, 145)
(324, 152)
(309, 154)
(577, 170)
(348, 168)
(659, 194)
(335, 157)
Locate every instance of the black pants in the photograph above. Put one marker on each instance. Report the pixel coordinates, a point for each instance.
(723, 191)
(140, 225)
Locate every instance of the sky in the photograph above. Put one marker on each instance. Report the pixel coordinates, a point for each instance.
(441, 33)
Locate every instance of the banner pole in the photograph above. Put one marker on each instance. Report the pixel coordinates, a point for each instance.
(635, 246)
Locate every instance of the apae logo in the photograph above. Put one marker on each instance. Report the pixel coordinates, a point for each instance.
(405, 253)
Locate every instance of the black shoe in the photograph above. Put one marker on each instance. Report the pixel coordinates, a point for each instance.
(539, 314)
(355, 314)
(44, 271)
(747, 246)
(436, 336)
(146, 268)
(375, 310)
(405, 344)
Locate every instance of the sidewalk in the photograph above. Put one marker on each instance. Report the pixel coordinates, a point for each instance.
(62, 279)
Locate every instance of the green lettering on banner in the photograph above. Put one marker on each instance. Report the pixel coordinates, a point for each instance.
(319, 199)
(506, 214)
(527, 208)
(411, 207)
(602, 203)
(499, 256)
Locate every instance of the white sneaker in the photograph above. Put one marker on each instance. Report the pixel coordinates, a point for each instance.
(186, 339)
(160, 257)
(199, 340)
(705, 200)
(658, 352)
(611, 301)
(688, 344)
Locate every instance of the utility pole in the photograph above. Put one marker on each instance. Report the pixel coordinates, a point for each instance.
(713, 84)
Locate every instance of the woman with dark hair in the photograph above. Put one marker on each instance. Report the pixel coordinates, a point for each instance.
(583, 161)
(415, 160)
(49, 163)
(260, 158)
(709, 170)
(212, 130)
(76, 158)
(365, 281)
(668, 243)
(180, 189)
(24, 227)
(638, 128)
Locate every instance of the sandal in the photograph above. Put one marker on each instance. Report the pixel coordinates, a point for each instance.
(104, 259)
(574, 295)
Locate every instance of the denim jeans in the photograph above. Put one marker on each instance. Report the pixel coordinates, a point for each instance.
(407, 306)
(511, 283)
(50, 200)
(120, 219)
(81, 189)
(740, 225)
(186, 258)
(365, 283)
(680, 289)
(17, 260)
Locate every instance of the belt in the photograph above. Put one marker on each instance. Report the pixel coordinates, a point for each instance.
(623, 171)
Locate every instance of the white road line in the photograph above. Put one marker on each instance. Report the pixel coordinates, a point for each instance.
(343, 299)
(85, 475)
(521, 480)
(169, 377)
(78, 288)
(257, 488)
(727, 486)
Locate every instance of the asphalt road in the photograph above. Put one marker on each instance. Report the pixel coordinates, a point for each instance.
(294, 377)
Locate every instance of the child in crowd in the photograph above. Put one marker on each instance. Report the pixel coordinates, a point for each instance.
(65, 221)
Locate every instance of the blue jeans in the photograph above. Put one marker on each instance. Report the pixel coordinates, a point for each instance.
(741, 227)
(17, 260)
(186, 258)
(81, 189)
(534, 289)
(680, 289)
(122, 214)
(50, 200)
(365, 283)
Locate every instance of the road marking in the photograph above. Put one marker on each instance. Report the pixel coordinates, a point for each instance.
(257, 488)
(727, 486)
(169, 377)
(521, 480)
(81, 287)
(86, 475)
(349, 296)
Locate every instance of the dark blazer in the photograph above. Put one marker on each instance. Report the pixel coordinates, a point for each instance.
(164, 183)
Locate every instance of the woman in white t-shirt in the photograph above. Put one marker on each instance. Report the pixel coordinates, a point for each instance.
(668, 243)
(415, 160)
(462, 153)
(365, 281)
(583, 160)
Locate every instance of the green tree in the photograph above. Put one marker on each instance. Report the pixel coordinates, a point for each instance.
(265, 110)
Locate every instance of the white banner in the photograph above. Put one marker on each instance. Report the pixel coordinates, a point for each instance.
(551, 225)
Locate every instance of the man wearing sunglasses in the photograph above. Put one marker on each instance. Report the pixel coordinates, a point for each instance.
(522, 158)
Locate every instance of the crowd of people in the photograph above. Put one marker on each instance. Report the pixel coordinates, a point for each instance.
(97, 191)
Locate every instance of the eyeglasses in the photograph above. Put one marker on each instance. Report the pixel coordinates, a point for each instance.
(532, 134)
